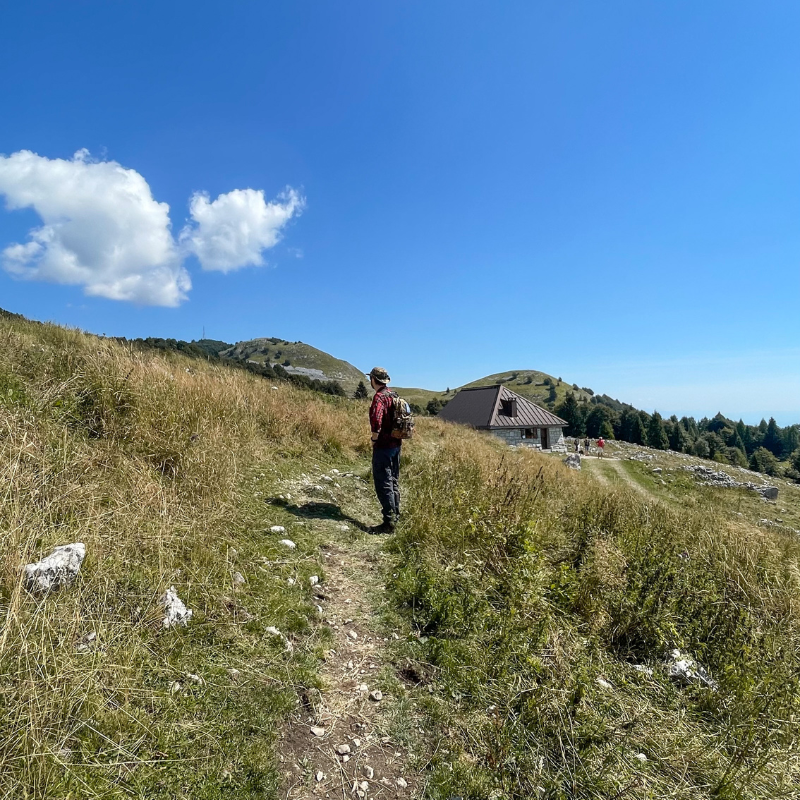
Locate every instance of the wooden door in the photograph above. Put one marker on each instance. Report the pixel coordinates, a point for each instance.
(545, 443)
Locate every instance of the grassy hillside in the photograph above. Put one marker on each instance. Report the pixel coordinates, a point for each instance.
(301, 358)
(522, 619)
(157, 464)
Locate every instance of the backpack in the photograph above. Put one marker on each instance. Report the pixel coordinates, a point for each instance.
(402, 418)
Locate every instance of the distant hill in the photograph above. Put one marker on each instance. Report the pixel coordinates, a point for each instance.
(297, 358)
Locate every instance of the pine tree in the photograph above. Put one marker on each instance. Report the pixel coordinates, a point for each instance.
(361, 391)
(677, 438)
(638, 434)
(656, 435)
(773, 440)
(572, 414)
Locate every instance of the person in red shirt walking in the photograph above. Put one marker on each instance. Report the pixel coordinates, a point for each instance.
(600, 447)
(385, 451)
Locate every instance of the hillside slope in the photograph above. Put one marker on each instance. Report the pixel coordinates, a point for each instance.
(303, 359)
(516, 627)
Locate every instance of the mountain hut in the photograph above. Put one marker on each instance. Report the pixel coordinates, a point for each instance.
(507, 415)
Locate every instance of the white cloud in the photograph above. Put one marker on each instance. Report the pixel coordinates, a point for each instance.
(233, 231)
(102, 229)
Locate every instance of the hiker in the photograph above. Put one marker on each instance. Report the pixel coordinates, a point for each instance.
(385, 451)
(577, 444)
(586, 446)
(600, 444)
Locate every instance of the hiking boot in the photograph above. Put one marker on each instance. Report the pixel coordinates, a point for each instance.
(385, 527)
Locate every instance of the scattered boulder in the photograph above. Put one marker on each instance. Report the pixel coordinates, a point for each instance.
(723, 480)
(573, 461)
(343, 749)
(376, 695)
(238, 579)
(56, 570)
(175, 610)
(288, 543)
(277, 529)
(317, 731)
(685, 670)
(769, 492)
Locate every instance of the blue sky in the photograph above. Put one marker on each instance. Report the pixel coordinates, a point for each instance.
(606, 192)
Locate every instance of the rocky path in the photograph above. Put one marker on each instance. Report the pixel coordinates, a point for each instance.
(340, 743)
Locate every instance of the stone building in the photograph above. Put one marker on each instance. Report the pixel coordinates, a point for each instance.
(507, 415)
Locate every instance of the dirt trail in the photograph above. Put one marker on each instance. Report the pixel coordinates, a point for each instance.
(347, 713)
(601, 467)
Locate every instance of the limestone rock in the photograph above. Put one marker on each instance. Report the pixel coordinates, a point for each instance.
(277, 529)
(175, 610)
(343, 749)
(56, 570)
(288, 543)
(573, 461)
(376, 695)
(685, 670)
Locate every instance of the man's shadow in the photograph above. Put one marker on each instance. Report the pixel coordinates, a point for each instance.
(319, 510)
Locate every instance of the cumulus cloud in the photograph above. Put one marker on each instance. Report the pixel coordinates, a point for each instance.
(103, 230)
(233, 231)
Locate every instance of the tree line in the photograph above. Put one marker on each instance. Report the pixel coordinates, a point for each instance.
(765, 447)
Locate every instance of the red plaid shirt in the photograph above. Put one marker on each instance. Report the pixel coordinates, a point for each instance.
(381, 418)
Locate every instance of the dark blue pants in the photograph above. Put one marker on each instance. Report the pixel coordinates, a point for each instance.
(386, 474)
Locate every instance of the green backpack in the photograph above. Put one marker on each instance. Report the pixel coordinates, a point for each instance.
(402, 418)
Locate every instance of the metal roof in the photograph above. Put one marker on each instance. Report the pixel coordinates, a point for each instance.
(483, 407)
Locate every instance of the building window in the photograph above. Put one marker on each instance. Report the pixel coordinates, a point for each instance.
(530, 433)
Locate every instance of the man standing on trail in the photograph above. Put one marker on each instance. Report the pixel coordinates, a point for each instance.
(600, 444)
(385, 450)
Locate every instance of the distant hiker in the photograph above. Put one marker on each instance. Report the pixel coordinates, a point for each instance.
(385, 450)
(600, 444)
(586, 446)
(577, 444)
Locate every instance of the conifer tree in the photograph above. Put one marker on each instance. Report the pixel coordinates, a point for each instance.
(656, 435)
(638, 434)
(361, 391)
(677, 438)
(571, 412)
(773, 440)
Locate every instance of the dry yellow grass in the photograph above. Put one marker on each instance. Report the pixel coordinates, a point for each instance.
(143, 458)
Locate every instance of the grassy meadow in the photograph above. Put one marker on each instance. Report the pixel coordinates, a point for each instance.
(160, 465)
(543, 603)
(535, 605)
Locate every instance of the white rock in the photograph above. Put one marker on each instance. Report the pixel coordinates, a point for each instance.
(573, 461)
(175, 687)
(353, 635)
(357, 742)
(343, 527)
(343, 749)
(641, 757)
(233, 554)
(603, 683)
(175, 610)
(56, 570)
(317, 731)
(376, 695)
(402, 783)
(195, 679)
(364, 786)
(291, 581)
(335, 472)
(369, 772)
(643, 669)
(277, 529)
(233, 673)
(288, 543)
(362, 687)
(314, 580)
(273, 631)
(238, 579)
(320, 776)
(683, 669)
(327, 478)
